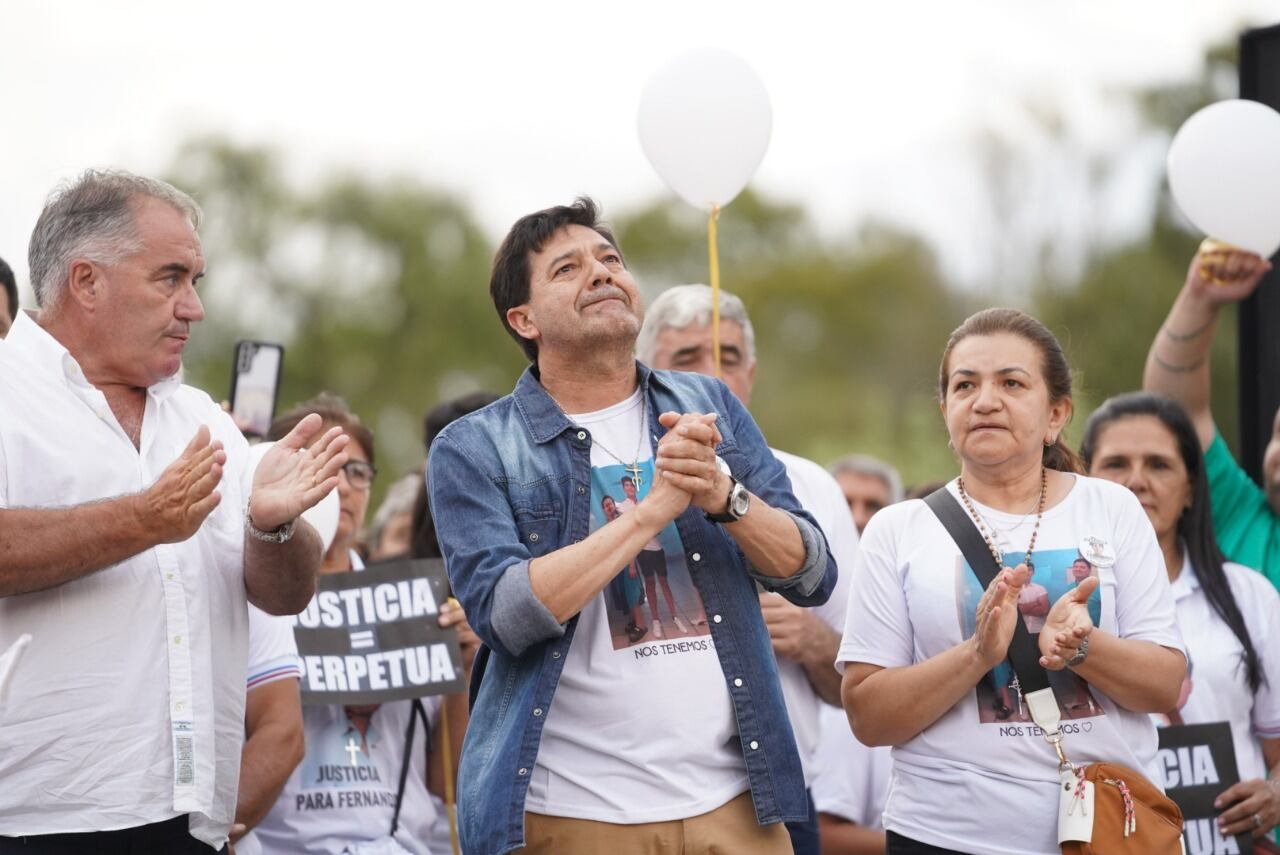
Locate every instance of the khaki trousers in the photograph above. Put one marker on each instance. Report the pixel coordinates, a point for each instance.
(730, 829)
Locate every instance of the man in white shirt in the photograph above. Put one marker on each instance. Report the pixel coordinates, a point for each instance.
(677, 335)
(132, 535)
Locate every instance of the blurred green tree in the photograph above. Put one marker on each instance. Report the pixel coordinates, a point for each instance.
(376, 289)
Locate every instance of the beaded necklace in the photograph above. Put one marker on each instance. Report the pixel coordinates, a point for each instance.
(983, 525)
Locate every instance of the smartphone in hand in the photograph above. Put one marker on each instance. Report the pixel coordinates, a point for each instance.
(255, 384)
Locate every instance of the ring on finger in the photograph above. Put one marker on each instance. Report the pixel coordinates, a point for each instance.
(1257, 820)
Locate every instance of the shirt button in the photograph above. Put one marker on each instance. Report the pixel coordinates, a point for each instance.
(737, 681)
(537, 711)
(523, 771)
(169, 576)
(582, 434)
(533, 537)
(178, 706)
(697, 556)
(555, 654)
(177, 639)
(715, 618)
(754, 745)
(581, 490)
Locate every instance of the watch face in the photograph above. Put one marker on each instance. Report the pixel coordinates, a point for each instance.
(739, 501)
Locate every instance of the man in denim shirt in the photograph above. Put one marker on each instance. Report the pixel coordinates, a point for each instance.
(671, 736)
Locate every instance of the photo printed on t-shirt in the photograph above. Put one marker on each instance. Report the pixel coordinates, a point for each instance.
(652, 598)
(1057, 571)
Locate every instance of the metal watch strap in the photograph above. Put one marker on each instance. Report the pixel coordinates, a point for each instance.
(280, 535)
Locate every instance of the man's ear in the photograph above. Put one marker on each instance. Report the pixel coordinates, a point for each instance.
(85, 283)
(521, 320)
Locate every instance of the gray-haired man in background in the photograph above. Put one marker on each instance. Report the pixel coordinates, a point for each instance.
(677, 335)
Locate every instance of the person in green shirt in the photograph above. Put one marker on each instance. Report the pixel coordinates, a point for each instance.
(1246, 517)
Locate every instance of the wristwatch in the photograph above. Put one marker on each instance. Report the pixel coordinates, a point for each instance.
(739, 499)
(280, 535)
(1081, 652)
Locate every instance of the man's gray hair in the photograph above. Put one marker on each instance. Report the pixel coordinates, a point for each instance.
(872, 467)
(92, 218)
(400, 499)
(681, 306)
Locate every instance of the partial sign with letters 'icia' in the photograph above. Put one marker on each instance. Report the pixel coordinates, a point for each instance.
(373, 636)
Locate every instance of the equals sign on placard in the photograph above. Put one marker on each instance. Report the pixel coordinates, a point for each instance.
(362, 639)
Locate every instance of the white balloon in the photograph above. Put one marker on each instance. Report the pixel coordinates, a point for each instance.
(704, 123)
(1224, 171)
(323, 516)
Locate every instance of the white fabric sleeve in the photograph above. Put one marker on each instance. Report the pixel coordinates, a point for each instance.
(842, 539)
(877, 627)
(273, 654)
(1144, 599)
(1262, 620)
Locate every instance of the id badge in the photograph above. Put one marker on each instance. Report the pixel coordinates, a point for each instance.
(1075, 808)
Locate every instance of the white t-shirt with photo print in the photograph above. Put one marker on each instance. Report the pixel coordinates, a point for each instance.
(981, 778)
(641, 728)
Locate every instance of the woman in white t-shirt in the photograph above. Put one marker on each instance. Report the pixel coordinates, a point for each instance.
(924, 643)
(1229, 615)
(342, 798)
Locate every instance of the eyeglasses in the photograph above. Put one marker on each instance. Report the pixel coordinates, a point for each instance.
(359, 474)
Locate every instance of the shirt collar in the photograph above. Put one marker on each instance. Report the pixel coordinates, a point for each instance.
(1187, 582)
(543, 416)
(33, 344)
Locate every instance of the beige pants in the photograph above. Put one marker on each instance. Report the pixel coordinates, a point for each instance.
(730, 829)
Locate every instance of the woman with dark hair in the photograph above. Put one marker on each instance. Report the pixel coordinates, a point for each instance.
(351, 794)
(925, 644)
(1229, 615)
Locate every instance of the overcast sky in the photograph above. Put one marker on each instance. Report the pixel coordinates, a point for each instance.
(515, 106)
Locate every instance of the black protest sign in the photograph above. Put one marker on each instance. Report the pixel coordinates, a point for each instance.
(374, 636)
(1197, 762)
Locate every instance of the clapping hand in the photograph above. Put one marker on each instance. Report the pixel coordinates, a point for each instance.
(296, 473)
(1067, 625)
(997, 614)
(183, 496)
(687, 459)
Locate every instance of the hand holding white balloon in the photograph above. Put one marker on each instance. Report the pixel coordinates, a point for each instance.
(1224, 171)
(704, 124)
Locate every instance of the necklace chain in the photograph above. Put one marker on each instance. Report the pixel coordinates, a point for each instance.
(990, 537)
(633, 468)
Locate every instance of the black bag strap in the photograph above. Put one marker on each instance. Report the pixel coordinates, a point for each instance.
(417, 711)
(1024, 652)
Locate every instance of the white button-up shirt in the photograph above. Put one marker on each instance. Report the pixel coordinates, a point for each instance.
(128, 706)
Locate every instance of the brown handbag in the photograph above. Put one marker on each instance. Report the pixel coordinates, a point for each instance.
(1130, 816)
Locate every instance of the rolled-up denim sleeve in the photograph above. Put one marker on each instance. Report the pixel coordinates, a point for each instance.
(767, 479)
(488, 566)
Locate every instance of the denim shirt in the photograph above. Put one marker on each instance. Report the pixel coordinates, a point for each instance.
(512, 482)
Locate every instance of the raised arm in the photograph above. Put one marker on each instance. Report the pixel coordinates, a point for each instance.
(1178, 362)
(43, 548)
(293, 476)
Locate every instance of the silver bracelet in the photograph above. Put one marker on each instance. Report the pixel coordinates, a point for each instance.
(280, 535)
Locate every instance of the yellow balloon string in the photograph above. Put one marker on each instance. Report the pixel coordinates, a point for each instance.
(715, 285)
(450, 799)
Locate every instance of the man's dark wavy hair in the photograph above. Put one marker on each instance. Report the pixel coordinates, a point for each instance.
(509, 282)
